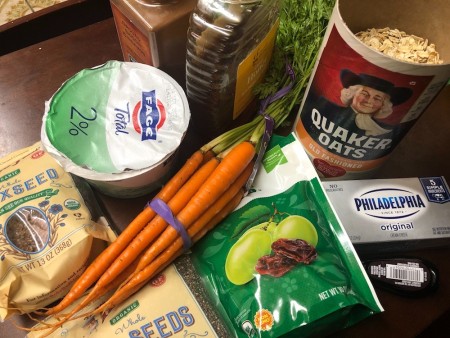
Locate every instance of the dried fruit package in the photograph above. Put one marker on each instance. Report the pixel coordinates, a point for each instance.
(282, 264)
(47, 235)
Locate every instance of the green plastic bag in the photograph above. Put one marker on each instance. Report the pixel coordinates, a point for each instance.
(282, 264)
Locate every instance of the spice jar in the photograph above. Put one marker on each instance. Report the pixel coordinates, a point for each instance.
(230, 43)
(154, 32)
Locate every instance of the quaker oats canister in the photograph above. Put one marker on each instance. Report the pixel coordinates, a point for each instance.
(377, 71)
(118, 125)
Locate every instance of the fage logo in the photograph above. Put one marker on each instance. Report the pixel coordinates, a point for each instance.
(149, 116)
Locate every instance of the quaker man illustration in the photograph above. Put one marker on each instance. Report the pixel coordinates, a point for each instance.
(367, 101)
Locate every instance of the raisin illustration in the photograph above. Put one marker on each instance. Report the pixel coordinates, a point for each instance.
(287, 253)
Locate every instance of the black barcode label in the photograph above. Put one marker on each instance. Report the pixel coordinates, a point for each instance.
(407, 273)
(441, 231)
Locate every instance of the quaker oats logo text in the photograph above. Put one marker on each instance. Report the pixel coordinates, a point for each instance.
(389, 203)
(149, 116)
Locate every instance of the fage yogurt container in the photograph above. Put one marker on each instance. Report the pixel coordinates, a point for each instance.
(117, 125)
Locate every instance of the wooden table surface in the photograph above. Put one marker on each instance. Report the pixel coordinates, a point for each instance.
(29, 77)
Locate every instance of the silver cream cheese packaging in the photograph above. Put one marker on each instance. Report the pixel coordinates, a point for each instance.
(393, 215)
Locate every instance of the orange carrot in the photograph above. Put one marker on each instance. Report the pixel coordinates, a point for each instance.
(210, 177)
(230, 168)
(196, 231)
(52, 327)
(107, 288)
(226, 173)
(219, 216)
(158, 224)
(170, 234)
(102, 261)
(147, 235)
(215, 214)
(207, 155)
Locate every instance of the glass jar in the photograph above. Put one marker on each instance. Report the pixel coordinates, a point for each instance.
(154, 32)
(230, 43)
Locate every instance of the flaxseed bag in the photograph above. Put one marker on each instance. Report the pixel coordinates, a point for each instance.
(47, 235)
(282, 265)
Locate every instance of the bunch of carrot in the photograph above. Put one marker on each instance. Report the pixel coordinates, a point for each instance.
(205, 190)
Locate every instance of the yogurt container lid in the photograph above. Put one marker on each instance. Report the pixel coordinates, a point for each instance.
(116, 118)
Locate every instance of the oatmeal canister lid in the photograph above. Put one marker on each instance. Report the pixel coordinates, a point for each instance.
(115, 118)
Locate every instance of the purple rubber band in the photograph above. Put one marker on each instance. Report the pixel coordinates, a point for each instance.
(265, 141)
(163, 210)
(269, 124)
(279, 94)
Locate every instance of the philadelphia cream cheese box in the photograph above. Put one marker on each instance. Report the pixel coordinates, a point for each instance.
(392, 215)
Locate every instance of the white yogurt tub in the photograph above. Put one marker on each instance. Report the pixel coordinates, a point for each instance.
(118, 126)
